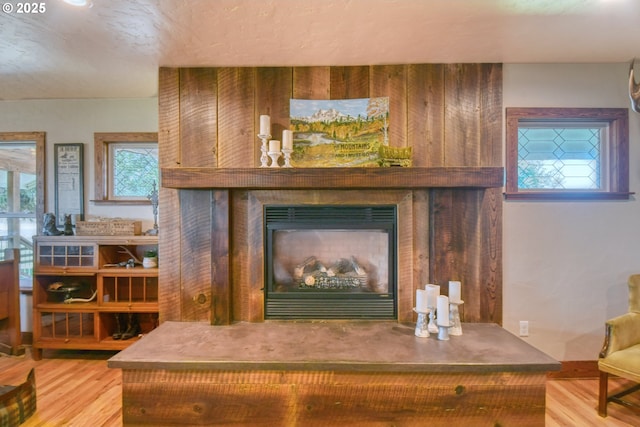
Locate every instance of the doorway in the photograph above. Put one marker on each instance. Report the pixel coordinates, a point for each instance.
(22, 184)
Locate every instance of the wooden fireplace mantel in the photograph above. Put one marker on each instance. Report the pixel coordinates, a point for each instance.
(321, 178)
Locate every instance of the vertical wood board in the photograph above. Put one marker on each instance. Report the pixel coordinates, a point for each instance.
(425, 114)
(462, 115)
(349, 82)
(196, 223)
(169, 236)
(421, 232)
(248, 262)
(490, 273)
(311, 82)
(273, 92)
(490, 130)
(236, 116)
(239, 251)
(391, 81)
(220, 258)
(198, 117)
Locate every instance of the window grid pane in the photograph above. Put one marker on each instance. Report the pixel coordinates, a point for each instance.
(560, 158)
(135, 169)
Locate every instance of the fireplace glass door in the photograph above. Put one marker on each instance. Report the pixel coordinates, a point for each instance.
(330, 262)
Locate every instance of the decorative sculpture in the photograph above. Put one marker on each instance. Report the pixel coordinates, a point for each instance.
(49, 225)
(68, 228)
(634, 89)
(153, 197)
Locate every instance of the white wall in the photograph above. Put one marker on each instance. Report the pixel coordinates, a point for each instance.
(75, 120)
(566, 264)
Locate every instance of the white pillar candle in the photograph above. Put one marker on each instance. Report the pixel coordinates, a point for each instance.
(442, 310)
(455, 291)
(265, 125)
(421, 301)
(274, 146)
(287, 139)
(432, 294)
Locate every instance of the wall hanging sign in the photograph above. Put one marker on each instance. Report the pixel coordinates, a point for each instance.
(69, 178)
(342, 133)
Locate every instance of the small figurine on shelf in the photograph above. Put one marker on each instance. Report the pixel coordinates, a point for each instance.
(68, 228)
(153, 197)
(49, 225)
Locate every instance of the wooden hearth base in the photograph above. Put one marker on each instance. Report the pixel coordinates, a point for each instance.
(331, 373)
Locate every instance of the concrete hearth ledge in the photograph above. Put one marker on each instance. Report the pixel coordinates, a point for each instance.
(330, 346)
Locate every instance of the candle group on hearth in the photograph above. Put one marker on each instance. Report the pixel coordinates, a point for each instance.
(429, 299)
(442, 310)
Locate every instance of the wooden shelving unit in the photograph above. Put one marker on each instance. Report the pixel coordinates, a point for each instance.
(85, 269)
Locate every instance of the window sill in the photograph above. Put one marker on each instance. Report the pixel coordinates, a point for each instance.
(568, 195)
(121, 202)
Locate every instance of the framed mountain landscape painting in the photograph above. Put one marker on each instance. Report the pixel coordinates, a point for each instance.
(339, 133)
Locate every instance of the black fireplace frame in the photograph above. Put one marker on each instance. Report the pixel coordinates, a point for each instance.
(330, 304)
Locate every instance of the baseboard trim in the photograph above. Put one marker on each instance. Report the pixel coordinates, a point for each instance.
(576, 369)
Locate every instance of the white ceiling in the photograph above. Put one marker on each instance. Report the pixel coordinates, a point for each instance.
(114, 48)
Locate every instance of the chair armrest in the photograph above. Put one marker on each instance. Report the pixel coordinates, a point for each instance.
(621, 332)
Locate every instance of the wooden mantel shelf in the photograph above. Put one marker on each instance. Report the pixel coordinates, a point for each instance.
(345, 178)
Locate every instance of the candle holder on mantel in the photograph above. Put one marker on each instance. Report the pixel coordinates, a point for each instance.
(287, 157)
(422, 329)
(264, 159)
(454, 317)
(275, 155)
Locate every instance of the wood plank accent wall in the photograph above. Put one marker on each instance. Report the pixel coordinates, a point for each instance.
(451, 114)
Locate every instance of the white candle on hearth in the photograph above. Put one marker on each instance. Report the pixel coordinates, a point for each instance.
(442, 310)
(455, 291)
(274, 146)
(421, 301)
(432, 294)
(265, 125)
(287, 139)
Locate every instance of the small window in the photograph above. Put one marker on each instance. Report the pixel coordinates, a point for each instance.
(126, 166)
(567, 153)
(135, 169)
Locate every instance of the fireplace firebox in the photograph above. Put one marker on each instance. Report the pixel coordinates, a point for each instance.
(330, 262)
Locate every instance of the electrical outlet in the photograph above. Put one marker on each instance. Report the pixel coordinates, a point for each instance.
(524, 328)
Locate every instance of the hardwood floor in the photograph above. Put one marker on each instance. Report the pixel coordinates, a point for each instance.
(73, 388)
(77, 389)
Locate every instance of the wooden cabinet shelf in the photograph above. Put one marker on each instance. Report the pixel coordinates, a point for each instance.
(80, 299)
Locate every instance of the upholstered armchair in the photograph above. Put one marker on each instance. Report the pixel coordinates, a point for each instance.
(620, 355)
